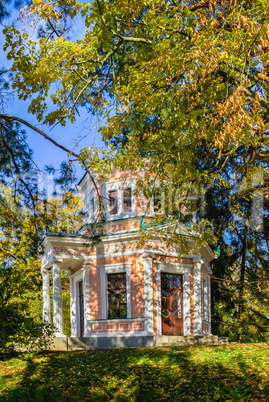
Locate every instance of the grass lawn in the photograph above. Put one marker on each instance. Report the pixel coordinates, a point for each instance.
(195, 373)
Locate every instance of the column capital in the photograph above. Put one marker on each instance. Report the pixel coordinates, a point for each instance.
(56, 260)
(197, 260)
(148, 255)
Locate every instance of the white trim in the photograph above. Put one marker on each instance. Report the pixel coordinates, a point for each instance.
(77, 277)
(197, 282)
(209, 303)
(175, 268)
(86, 299)
(119, 185)
(111, 321)
(113, 269)
(57, 298)
(52, 242)
(118, 334)
(46, 296)
(86, 258)
(148, 293)
(89, 209)
(72, 306)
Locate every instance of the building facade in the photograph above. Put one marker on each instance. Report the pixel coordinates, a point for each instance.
(124, 292)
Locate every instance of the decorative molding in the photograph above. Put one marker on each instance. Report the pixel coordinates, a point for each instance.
(56, 260)
(73, 251)
(198, 260)
(109, 327)
(148, 255)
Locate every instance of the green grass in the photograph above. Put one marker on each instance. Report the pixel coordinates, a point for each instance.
(198, 373)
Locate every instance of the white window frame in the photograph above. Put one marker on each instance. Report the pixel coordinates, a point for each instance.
(119, 186)
(115, 269)
(122, 200)
(89, 213)
(175, 268)
(117, 198)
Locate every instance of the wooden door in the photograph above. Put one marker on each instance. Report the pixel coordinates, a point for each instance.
(172, 304)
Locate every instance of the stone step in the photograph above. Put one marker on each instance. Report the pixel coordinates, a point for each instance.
(165, 340)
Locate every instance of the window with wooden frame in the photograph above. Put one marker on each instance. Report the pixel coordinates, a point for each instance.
(116, 296)
(157, 201)
(92, 207)
(127, 200)
(113, 202)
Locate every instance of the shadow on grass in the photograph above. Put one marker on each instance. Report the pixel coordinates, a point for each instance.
(137, 374)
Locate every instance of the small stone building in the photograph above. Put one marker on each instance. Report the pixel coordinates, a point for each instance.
(124, 292)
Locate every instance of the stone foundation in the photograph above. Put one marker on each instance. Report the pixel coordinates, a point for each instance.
(100, 342)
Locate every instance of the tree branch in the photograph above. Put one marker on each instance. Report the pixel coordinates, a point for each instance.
(131, 39)
(10, 119)
(201, 4)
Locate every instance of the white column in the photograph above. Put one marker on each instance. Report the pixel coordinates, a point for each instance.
(72, 306)
(186, 303)
(209, 303)
(197, 278)
(86, 289)
(46, 296)
(148, 289)
(57, 298)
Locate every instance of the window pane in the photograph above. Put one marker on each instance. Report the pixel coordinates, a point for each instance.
(157, 201)
(127, 200)
(171, 292)
(171, 281)
(92, 207)
(116, 294)
(113, 202)
(177, 304)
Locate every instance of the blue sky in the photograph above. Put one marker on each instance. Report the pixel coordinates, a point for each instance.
(74, 136)
(82, 133)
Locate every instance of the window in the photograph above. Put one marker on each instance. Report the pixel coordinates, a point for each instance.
(116, 296)
(127, 200)
(171, 288)
(113, 202)
(92, 206)
(157, 201)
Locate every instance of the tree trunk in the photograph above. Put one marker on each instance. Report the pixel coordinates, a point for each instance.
(242, 284)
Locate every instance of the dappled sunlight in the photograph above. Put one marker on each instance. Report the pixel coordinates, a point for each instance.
(207, 373)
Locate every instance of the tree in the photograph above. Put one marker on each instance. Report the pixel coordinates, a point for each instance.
(184, 77)
(187, 81)
(239, 283)
(184, 87)
(20, 278)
